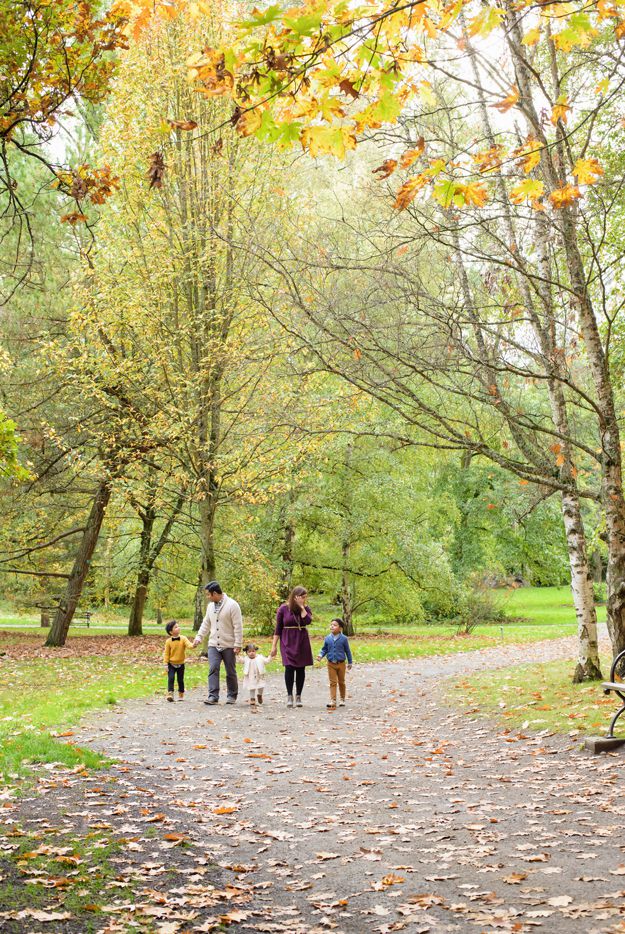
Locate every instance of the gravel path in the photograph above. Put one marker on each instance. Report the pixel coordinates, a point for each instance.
(393, 813)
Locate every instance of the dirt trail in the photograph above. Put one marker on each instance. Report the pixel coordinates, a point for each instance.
(393, 813)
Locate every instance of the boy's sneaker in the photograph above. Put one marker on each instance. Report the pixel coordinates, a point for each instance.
(341, 703)
(170, 697)
(259, 698)
(181, 697)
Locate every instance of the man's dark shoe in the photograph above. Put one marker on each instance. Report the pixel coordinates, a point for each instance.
(211, 701)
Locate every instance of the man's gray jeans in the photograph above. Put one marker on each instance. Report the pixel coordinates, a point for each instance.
(215, 658)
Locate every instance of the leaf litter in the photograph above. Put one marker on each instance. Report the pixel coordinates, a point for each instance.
(401, 816)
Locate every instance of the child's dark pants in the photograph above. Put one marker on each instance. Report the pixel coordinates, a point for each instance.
(173, 672)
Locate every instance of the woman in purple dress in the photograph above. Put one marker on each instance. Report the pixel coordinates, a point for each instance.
(292, 619)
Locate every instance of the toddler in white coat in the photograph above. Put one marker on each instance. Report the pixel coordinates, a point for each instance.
(254, 674)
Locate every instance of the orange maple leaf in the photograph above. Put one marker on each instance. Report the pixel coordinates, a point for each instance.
(387, 168)
(411, 155)
(562, 197)
(508, 102)
(409, 190)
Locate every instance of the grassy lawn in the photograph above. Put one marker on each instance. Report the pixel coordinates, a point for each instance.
(46, 691)
(541, 697)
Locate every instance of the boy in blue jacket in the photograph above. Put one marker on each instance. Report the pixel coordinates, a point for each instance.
(336, 649)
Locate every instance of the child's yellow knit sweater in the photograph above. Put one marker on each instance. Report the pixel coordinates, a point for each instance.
(175, 649)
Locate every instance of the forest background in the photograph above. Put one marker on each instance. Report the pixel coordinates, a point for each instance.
(224, 358)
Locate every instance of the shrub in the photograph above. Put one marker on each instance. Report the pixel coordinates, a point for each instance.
(477, 605)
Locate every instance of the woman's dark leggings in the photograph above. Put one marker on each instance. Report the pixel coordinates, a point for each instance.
(297, 675)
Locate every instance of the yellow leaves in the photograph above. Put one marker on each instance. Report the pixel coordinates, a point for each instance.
(249, 122)
(587, 171)
(474, 193)
(508, 102)
(451, 192)
(531, 37)
(577, 33)
(334, 141)
(224, 810)
(529, 154)
(411, 155)
(489, 159)
(528, 190)
(486, 21)
(602, 86)
(208, 70)
(426, 93)
(560, 110)
(563, 197)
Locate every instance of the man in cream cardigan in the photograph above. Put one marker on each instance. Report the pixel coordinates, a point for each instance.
(224, 622)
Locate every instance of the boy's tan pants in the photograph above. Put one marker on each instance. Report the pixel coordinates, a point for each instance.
(336, 674)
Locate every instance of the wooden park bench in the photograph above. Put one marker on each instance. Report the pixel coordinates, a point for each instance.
(615, 685)
(86, 616)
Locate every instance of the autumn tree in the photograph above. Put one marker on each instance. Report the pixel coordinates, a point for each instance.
(167, 338)
(395, 55)
(54, 58)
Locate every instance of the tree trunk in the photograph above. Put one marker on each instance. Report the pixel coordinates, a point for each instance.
(597, 566)
(347, 601)
(159, 616)
(135, 623)
(346, 594)
(288, 536)
(148, 555)
(553, 167)
(588, 664)
(82, 562)
(207, 538)
(198, 611)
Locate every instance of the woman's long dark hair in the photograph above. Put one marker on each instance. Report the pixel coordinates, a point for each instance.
(296, 592)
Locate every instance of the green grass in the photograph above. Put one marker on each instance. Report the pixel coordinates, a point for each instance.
(551, 606)
(39, 697)
(540, 697)
(81, 872)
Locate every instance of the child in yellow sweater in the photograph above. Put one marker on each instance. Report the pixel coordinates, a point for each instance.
(173, 657)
